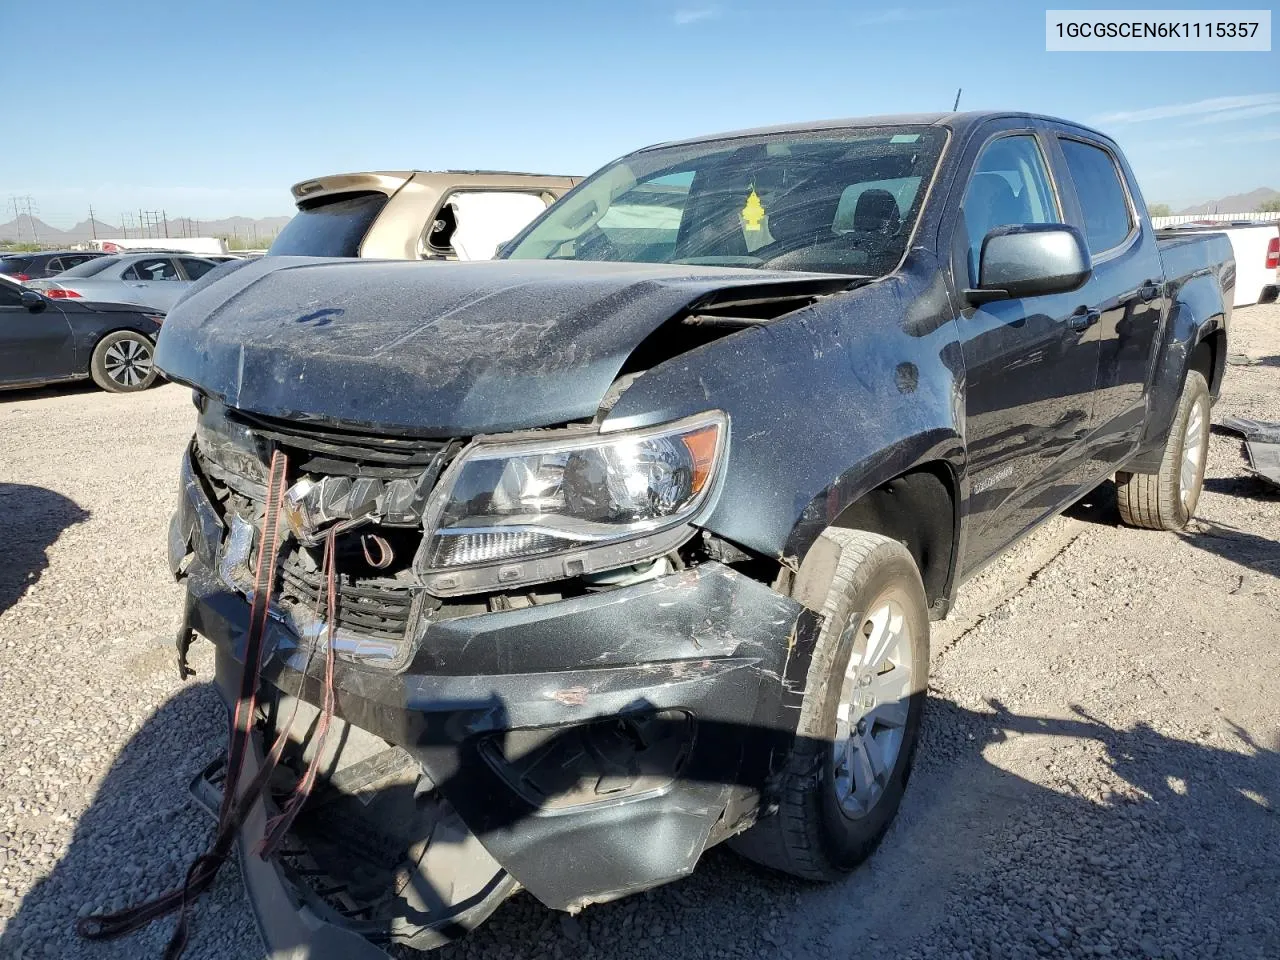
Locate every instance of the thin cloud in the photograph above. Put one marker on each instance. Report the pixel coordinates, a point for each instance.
(683, 18)
(1244, 113)
(1257, 136)
(1196, 108)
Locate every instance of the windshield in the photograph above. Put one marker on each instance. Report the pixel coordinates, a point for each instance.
(831, 201)
(90, 267)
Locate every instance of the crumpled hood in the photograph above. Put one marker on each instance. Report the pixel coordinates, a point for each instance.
(443, 349)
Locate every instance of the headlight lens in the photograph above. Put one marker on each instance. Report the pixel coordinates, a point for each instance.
(519, 501)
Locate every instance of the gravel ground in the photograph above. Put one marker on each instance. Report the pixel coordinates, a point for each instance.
(1100, 774)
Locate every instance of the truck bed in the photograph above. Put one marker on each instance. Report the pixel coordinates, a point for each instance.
(1189, 255)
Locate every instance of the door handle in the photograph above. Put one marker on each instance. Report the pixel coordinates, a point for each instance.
(1083, 319)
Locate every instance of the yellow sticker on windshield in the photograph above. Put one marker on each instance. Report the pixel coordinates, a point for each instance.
(753, 212)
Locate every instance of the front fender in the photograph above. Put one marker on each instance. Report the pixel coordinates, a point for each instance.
(824, 404)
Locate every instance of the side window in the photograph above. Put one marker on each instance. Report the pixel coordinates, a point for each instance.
(1010, 185)
(130, 274)
(1107, 217)
(158, 269)
(473, 222)
(55, 265)
(195, 269)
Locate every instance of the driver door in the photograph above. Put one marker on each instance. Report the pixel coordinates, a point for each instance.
(1030, 363)
(34, 345)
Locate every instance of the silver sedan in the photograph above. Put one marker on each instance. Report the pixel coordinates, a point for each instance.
(154, 280)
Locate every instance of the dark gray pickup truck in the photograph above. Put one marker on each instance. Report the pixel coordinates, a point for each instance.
(573, 564)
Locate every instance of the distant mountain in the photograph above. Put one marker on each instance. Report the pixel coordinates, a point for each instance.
(30, 229)
(1236, 203)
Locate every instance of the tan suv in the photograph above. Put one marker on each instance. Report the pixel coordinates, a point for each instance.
(412, 215)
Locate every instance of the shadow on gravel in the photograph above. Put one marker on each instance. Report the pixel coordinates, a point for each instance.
(1158, 847)
(135, 839)
(1097, 506)
(31, 519)
(1258, 554)
(55, 390)
(1248, 487)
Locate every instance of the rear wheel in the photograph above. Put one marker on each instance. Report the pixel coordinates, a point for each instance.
(1167, 500)
(122, 362)
(860, 718)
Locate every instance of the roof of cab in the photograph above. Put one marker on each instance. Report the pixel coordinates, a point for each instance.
(962, 120)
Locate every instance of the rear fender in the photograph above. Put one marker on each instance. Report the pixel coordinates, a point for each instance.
(1195, 315)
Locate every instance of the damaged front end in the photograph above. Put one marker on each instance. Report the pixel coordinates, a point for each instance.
(540, 660)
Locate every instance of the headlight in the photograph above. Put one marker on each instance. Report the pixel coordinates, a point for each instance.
(501, 504)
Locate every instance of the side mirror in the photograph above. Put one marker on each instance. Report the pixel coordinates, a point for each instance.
(33, 301)
(501, 248)
(1031, 260)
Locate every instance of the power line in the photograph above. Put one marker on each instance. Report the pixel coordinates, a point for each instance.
(25, 206)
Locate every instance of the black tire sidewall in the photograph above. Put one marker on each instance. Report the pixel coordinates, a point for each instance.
(847, 841)
(98, 368)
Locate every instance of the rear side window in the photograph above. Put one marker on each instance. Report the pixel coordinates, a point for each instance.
(195, 269)
(472, 223)
(1107, 218)
(91, 267)
(55, 265)
(152, 270)
(333, 228)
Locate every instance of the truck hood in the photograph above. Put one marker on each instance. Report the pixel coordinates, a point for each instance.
(436, 349)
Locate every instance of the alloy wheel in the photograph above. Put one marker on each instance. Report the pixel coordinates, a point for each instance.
(128, 362)
(874, 702)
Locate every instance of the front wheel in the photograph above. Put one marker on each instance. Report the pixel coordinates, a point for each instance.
(122, 362)
(1167, 500)
(860, 717)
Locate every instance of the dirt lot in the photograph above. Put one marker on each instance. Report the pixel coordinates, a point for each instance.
(1100, 774)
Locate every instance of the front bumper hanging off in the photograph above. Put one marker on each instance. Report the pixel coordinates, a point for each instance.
(584, 749)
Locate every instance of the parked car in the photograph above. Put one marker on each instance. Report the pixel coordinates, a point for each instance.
(37, 266)
(628, 544)
(411, 215)
(1256, 248)
(49, 341)
(150, 280)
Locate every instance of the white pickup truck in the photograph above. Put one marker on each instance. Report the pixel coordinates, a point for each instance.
(1256, 247)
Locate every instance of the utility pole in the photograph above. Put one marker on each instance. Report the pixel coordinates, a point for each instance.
(165, 219)
(93, 225)
(25, 206)
(956, 106)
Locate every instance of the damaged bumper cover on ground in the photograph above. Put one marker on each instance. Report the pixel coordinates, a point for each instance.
(584, 749)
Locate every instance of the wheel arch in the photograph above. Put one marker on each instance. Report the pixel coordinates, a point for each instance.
(919, 507)
(1195, 339)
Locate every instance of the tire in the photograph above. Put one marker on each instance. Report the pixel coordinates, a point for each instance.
(816, 834)
(1167, 500)
(123, 362)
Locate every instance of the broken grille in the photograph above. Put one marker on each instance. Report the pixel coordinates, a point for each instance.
(341, 452)
(374, 606)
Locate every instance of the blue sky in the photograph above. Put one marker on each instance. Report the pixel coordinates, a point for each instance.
(207, 110)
